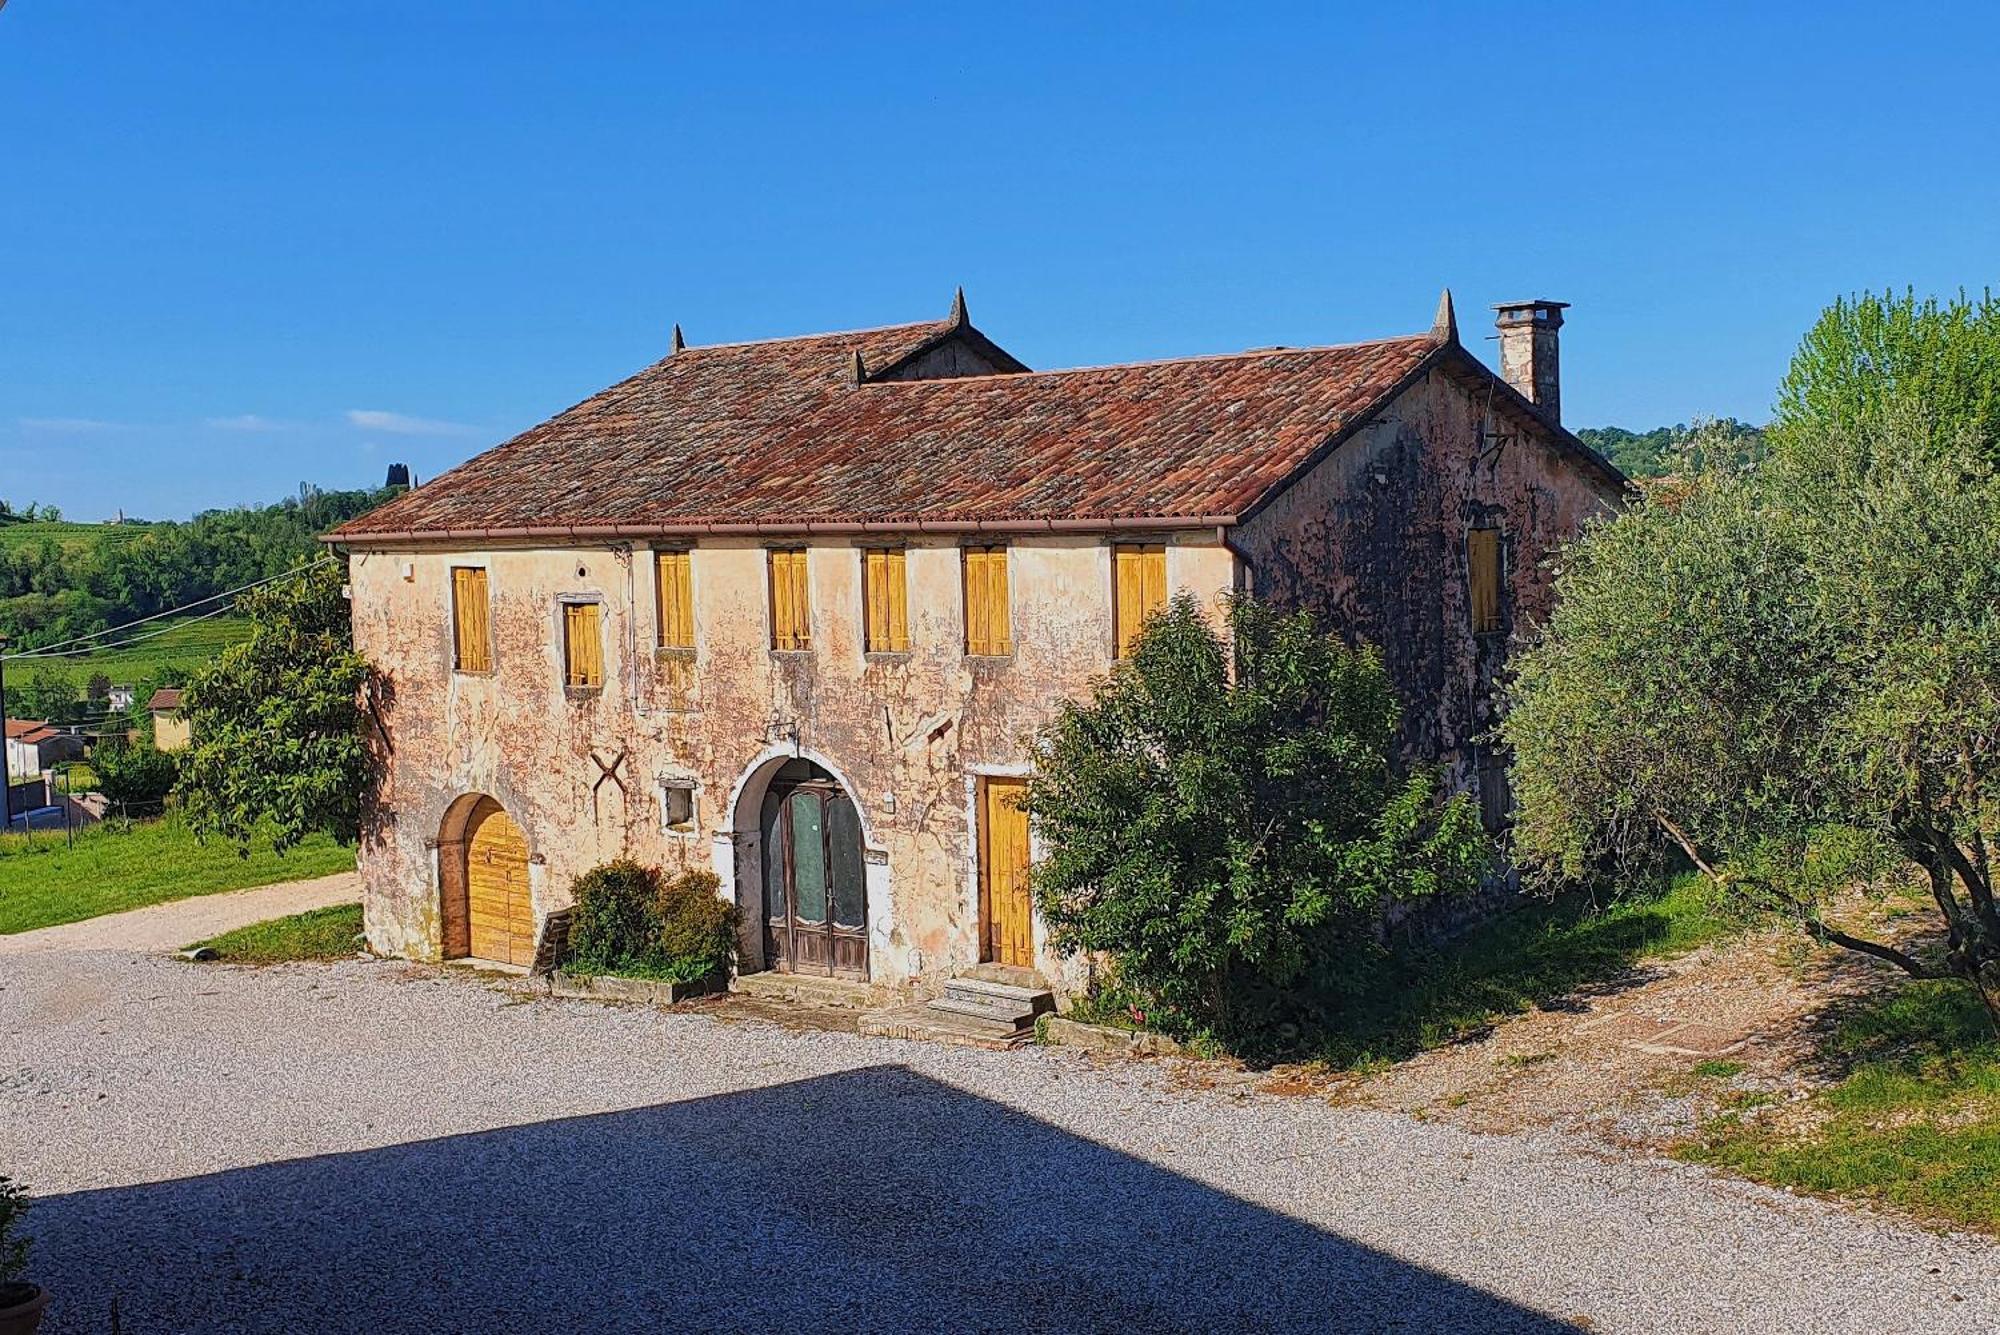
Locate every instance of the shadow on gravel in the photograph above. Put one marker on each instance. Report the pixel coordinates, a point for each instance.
(872, 1200)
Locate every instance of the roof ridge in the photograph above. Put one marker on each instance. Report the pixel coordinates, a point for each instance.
(1425, 337)
(807, 338)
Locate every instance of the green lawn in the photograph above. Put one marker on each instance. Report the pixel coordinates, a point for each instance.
(1423, 998)
(317, 934)
(111, 869)
(68, 535)
(1913, 1120)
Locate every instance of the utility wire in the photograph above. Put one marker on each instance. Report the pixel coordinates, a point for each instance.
(83, 650)
(46, 650)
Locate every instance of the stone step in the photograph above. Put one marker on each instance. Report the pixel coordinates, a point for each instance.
(806, 989)
(1013, 975)
(1035, 999)
(925, 1022)
(997, 1010)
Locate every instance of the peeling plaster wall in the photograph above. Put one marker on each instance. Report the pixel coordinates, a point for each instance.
(908, 733)
(1373, 539)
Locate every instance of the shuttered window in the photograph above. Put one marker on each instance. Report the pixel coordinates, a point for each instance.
(1482, 569)
(471, 635)
(674, 597)
(989, 627)
(1139, 588)
(885, 609)
(583, 647)
(791, 615)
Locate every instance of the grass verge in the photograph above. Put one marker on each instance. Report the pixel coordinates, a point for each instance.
(1424, 997)
(43, 882)
(1913, 1121)
(317, 934)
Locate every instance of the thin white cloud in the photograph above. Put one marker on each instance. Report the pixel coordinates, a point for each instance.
(69, 425)
(401, 424)
(245, 422)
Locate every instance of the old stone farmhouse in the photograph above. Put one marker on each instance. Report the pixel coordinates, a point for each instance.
(793, 609)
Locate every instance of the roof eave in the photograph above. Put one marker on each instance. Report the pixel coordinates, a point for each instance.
(593, 533)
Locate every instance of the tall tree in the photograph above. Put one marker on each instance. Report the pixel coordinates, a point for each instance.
(276, 720)
(1225, 819)
(1933, 364)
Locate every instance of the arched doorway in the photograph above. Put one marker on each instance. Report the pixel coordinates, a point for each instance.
(488, 909)
(815, 908)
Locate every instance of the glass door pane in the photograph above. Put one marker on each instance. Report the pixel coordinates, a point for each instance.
(808, 857)
(844, 844)
(772, 828)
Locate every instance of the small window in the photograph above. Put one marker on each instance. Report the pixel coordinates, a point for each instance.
(885, 612)
(791, 608)
(674, 597)
(1482, 573)
(677, 806)
(471, 632)
(989, 627)
(583, 647)
(1139, 589)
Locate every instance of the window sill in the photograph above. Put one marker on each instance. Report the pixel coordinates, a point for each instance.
(673, 653)
(477, 673)
(792, 653)
(989, 660)
(885, 656)
(580, 693)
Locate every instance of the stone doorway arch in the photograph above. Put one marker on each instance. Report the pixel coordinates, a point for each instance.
(486, 902)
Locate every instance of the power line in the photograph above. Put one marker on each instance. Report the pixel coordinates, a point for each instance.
(88, 649)
(47, 650)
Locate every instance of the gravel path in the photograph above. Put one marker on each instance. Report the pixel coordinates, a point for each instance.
(182, 922)
(383, 1147)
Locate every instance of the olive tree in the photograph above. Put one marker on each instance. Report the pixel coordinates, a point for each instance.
(1224, 819)
(1793, 676)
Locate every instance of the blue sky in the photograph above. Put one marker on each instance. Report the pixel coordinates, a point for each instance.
(250, 244)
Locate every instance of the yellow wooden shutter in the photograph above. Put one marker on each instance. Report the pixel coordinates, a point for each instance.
(885, 607)
(676, 599)
(471, 640)
(1139, 589)
(791, 617)
(583, 648)
(988, 628)
(1482, 567)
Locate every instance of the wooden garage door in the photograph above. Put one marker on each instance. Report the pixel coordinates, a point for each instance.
(496, 880)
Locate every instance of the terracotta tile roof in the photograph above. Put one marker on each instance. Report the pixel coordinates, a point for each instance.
(777, 435)
(167, 697)
(28, 731)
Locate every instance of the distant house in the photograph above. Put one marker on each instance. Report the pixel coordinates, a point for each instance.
(170, 730)
(33, 745)
(120, 699)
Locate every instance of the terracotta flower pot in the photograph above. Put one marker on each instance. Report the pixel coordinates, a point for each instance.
(25, 1315)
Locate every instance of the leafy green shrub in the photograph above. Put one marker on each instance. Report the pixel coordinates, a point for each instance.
(134, 775)
(1231, 837)
(634, 921)
(13, 1243)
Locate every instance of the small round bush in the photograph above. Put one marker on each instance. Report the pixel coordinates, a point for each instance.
(630, 919)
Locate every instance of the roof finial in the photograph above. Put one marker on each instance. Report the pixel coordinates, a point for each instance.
(958, 320)
(679, 342)
(860, 371)
(1445, 328)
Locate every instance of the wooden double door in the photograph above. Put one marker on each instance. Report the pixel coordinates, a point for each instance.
(815, 885)
(500, 911)
(1006, 909)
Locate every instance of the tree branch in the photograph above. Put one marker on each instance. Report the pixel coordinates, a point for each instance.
(1907, 963)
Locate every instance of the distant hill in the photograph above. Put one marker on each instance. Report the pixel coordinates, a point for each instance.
(1643, 454)
(60, 580)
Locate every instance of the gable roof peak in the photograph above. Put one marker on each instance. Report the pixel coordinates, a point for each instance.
(1445, 327)
(680, 343)
(958, 318)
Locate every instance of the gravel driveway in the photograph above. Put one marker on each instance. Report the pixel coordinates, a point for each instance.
(379, 1147)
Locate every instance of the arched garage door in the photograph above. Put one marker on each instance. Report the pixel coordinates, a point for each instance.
(500, 910)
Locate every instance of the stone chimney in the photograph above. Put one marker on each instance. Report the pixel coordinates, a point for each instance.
(1530, 332)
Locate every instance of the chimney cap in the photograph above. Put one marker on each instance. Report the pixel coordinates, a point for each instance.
(1540, 309)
